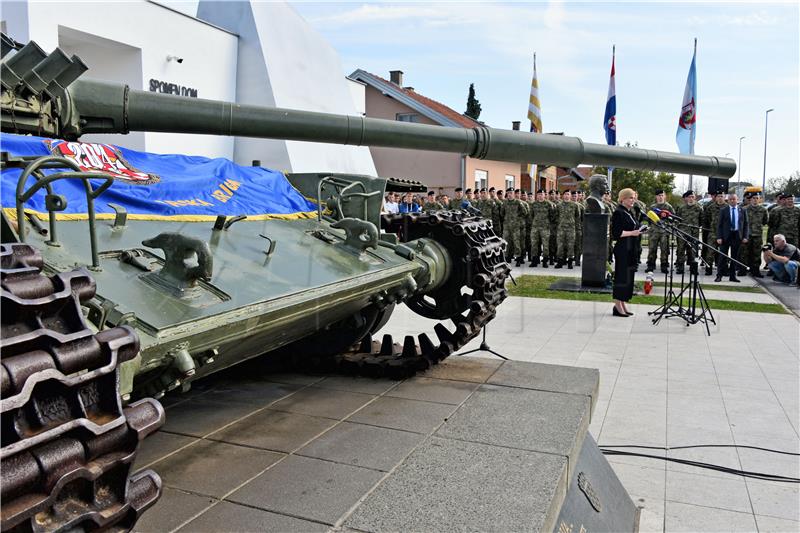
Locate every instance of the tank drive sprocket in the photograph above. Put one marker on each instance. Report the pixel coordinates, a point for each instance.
(68, 444)
(468, 298)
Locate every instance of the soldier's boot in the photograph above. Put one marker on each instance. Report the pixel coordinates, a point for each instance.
(709, 270)
(650, 267)
(664, 268)
(544, 263)
(577, 261)
(534, 261)
(569, 263)
(679, 268)
(755, 271)
(519, 261)
(559, 263)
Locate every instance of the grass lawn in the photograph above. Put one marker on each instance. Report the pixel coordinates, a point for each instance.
(538, 287)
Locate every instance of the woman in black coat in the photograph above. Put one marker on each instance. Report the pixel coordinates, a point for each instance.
(625, 234)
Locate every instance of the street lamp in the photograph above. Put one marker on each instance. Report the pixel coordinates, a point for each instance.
(739, 164)
(766, 124)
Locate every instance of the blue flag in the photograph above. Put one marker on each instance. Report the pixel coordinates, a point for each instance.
(610, 120)
(687, 121)
(154, 187)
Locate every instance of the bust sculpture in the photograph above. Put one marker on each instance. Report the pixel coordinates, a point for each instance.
(597, 187)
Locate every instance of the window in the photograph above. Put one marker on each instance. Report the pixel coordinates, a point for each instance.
(408, 117)
(481, 178)
(510, 181)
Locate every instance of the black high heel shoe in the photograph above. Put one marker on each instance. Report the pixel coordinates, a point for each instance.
(618, 313)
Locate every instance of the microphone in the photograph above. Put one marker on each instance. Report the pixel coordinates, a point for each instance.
(654, 218)
(667, 214)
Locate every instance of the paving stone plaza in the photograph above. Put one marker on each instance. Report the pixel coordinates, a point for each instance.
(229, 443)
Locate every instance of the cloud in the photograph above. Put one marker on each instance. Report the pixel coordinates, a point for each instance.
(753, 19)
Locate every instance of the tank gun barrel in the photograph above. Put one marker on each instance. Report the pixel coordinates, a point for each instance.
(101, 107)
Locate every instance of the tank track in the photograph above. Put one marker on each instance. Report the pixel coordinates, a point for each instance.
(480, 267)
(68, 445)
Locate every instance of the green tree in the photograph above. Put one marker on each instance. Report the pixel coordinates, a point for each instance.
(790, 184)
(473, 105)
(644, 182)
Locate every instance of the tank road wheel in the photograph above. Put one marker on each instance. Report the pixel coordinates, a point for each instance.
(468, 299)
(68, 445)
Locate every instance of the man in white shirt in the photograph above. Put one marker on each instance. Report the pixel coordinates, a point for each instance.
(391, 206)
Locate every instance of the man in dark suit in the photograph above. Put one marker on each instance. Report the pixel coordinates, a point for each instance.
(732, 230)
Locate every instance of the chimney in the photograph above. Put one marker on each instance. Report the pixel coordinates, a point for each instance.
(396, 77)
(515, 125)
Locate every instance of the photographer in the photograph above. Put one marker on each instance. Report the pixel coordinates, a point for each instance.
(783, 259)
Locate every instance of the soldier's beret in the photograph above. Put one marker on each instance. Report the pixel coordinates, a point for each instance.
(688, 193)
(788, 195)
(468, 190)
(510, 189)
(459, 189)
(482, 190)
(659, 191)
(542, 190)
(491, 189)
(717, 193)
(431, 193)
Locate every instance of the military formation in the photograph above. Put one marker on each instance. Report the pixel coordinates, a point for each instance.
(543, 228)
(546, 228)
(702, 222)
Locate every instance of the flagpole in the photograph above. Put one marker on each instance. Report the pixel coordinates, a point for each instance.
(610, 173)
(534, 167)
(694, 126)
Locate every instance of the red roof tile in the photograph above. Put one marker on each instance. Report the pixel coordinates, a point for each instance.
(438, 107)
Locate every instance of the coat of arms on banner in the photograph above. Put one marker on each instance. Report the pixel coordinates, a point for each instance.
(101, 158)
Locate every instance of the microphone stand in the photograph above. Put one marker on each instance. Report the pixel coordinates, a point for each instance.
(692, 291)
(670, 298)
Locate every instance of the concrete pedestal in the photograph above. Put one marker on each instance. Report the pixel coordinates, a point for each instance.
(595, 250)
(472, 445)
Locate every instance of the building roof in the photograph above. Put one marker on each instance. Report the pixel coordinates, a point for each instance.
(579, 173)
(436, 111)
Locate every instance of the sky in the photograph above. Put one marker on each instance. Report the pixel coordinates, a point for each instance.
(748, 57)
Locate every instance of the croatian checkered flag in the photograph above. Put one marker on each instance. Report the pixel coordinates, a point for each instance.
(610, 120)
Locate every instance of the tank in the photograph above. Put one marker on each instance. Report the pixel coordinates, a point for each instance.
(112, 306)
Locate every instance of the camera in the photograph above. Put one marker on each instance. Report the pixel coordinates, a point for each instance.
(766, 247)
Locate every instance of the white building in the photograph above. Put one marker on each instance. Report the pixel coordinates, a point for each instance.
(259, 53)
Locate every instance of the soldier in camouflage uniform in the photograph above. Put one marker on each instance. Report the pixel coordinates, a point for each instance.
(485, 206)
(457, 203)
(514, 213)
(774, 216)
(526, 239)
(568, 215)
(751, 250)
(657, 237)
(431, 204)
(555, 200)
(495, 202)
(639, 210)
(710, 220)
(690, 214)
(580, 202)
(611, 206)
(541, 213)
(789, 223)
